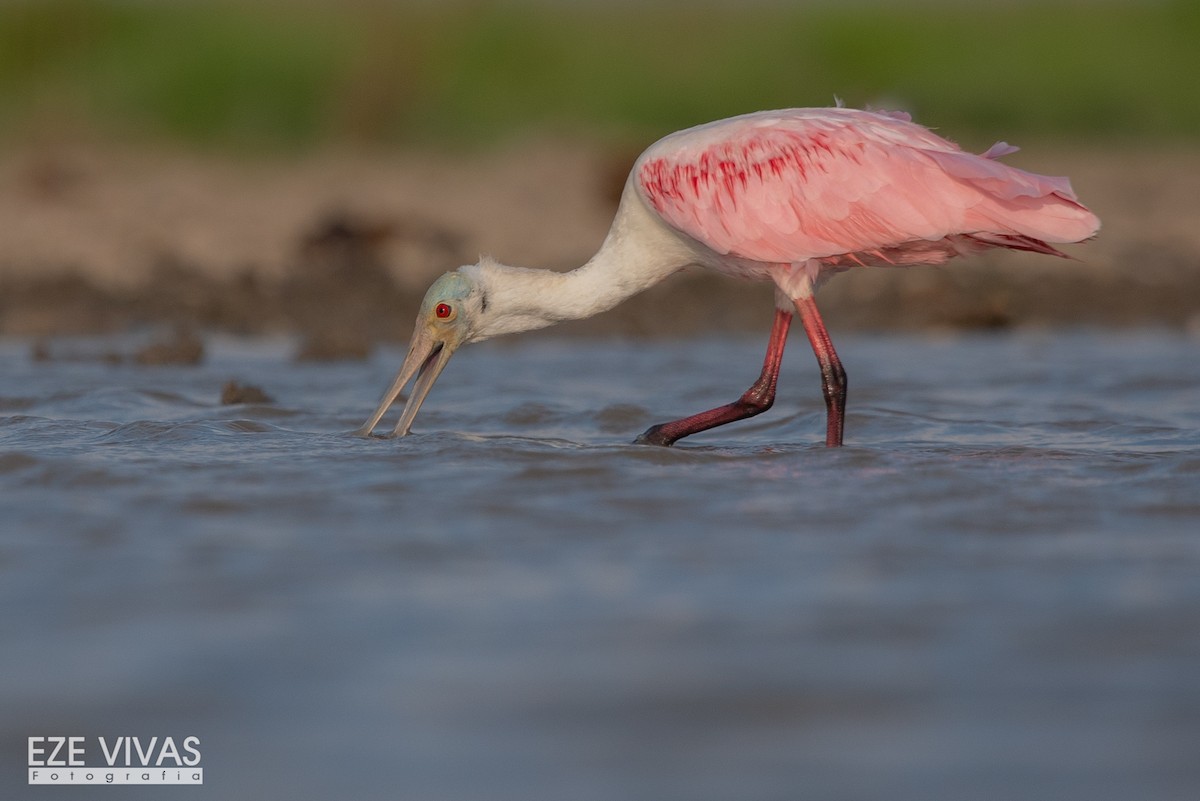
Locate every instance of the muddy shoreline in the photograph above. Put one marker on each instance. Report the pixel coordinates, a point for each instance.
(338, 247)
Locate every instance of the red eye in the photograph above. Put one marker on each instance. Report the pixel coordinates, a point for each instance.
(443, 310)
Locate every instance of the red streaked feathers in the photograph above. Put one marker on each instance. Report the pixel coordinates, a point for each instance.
(848, 187)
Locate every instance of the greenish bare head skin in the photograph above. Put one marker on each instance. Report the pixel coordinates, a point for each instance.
(451, 286)
(451, 289)
(445, 321)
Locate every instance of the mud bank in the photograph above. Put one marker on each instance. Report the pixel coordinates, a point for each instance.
(338, 247)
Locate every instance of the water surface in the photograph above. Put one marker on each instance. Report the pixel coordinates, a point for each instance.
(992, 592)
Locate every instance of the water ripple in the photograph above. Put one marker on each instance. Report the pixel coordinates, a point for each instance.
(1003, 556)
(154, 432)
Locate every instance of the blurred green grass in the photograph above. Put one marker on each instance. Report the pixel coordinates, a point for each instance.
(301, 74)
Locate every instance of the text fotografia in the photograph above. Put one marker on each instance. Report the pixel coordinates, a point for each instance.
(114, 760)
(115, 776)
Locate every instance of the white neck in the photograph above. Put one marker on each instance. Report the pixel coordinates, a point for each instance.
(638, 252)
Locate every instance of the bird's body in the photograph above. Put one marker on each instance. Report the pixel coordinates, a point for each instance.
(789, 196)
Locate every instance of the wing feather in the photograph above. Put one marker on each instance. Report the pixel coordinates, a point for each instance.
(831, 184)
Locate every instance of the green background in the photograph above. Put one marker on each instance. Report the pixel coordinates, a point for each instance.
(287, 75)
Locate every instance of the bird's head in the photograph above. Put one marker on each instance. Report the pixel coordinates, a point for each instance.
(448, 318)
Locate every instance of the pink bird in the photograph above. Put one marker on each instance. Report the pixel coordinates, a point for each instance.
(789, 196)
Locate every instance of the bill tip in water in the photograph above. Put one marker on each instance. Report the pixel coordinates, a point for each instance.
(370, 433)
(367, 433)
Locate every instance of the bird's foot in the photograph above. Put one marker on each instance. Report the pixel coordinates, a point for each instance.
(654, 436)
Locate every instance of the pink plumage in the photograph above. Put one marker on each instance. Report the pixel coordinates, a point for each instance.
(786, 196)
(847, 187)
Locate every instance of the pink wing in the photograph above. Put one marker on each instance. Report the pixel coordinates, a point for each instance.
(845, 187)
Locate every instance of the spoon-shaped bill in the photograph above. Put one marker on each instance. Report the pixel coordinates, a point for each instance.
(426, 359)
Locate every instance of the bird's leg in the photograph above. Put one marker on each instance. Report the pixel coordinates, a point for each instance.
(833, 377)
(754, 401)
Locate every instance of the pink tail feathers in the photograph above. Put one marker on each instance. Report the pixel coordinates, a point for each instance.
(1022, 210)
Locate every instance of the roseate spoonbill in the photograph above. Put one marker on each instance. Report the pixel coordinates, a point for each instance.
(789, 196)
